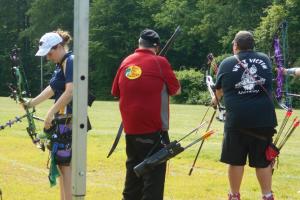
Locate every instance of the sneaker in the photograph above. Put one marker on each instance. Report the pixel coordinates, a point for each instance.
(268, 198)
(234, 196)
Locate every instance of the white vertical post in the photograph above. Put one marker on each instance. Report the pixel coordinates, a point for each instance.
(80, 88)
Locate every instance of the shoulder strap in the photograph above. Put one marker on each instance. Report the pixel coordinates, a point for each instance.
(64, 58)
(63, 61)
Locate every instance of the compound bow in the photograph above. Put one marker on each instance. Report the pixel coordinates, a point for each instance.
(282, 95)
(210, 85)
(19, 92)
(213, 67)
(281, 56)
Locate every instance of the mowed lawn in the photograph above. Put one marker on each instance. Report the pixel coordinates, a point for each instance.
(23, 170)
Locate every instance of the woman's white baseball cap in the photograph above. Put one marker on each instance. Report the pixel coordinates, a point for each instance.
(48, 41)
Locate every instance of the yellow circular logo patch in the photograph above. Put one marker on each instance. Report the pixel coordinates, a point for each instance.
(133, 72)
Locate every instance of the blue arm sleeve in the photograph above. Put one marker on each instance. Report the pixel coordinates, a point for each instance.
(69, 70)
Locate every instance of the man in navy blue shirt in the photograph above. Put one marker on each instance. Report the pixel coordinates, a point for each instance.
(245, 82)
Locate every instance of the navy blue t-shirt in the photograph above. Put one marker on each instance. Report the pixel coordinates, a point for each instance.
(60, 79)
(247, 93)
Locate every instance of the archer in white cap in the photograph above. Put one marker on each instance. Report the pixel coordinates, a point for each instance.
(54, 46)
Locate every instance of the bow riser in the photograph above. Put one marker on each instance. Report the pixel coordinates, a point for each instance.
(280, 65)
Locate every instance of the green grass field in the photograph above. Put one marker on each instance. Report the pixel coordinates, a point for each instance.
(23, 172)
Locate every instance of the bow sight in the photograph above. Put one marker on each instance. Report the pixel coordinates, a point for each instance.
(14, 56)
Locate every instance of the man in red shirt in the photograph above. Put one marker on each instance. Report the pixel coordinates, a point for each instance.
(143, 83)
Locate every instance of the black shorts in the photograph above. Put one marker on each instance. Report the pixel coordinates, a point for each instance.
(251, 143)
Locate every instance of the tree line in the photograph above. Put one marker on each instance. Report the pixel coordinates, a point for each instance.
(207, 26)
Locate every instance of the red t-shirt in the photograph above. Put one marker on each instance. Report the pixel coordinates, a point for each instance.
(143, 83)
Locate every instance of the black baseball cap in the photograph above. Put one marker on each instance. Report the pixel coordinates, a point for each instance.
(150, 37)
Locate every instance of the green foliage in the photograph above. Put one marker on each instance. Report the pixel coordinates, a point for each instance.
(114, 33)
(275, 14)
(294, 88)
(12, 21)
(193, 87)
(264, 34)
(48, 15)
(207, 26)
